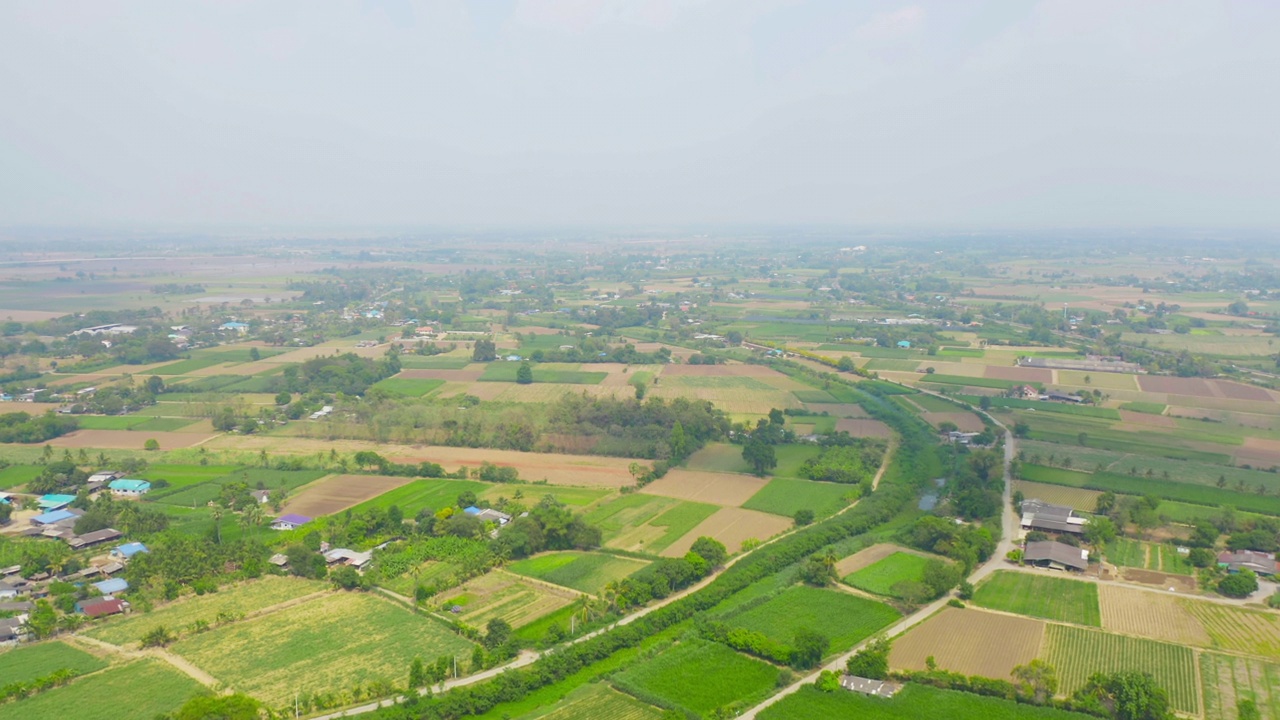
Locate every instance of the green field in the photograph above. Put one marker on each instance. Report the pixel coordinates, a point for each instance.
(1164, 489)
(111, 422)
(182, 367)
(1079, 653)
(814, 396)
(179, 615)
(574, 497)
(701, 676)
(588, 572)
(1040, 596)
(1181, 471)
(784, 496)
(1060, 408)
(28, 662)
(1144, 407)
(596, 701)
(148, 688)
(406, 387)
(813, 608)
(913, 702)
(982, 382)
(647, 522)
(300, 649)
(791, 457)
(718, 457)
(16, 475)
(1127, 553)
(547, 373)
(431, 494)
(1227, 678)
(199, 494)
(179, 476)
(880, 576)
(434, 362)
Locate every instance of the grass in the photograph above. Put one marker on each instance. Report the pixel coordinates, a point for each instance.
(1050, 407)
(784, 496)
(111, 422)
(327, 644)
(504, 595)
(200, 494)
(420, 494)
(1041, 596)
(817, 609)
(163, 424)
(437, 362)
(893, 365)
(718, 457)
(588, 572)
(880, 576)
(148, 688)
(1164, 489)
(1127, 553)
(982, 382)
(594, 702)
(407, 387)
(647, 522)
(701, 677)
(574, 497)
(911, 703)
(791, 457)
(16, 475)
(182, 367)
(184, 475)
(29, 662)
(1079, 653)
(930, 403)
(506, 372)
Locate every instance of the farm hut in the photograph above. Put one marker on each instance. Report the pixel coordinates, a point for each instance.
(129, 488)
(16, 607)
(867, 686)
(128, 550)
(101, 608)
(112, 586)
(94, 538)
(262, 496)
(1056, 555)
(904, 344)
(290, 521)
(8, 590)
(105, 476)
(111, 568)
(54, 517)
(488, 515)
(1260, 562)
(344, 556)
(279, 560)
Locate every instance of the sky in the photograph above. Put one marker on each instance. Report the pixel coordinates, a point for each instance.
(1057, 113)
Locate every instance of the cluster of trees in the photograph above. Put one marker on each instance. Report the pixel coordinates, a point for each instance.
(21, 427)
(845, 460)
(654, 428)
(178, 560)
(58, 477)
(349, 374)
(130, 518)
(977, 483)
(966, 544)
(548, 526)
(598, 350)
(758, 443)
(668, 575)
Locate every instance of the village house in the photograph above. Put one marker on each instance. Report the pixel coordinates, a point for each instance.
(96, 608)
(128, 550)
(94, 538)
(112, 586)
(1262, 563)
(488, 515)
(129, 488)
(290, 521)
(54, 502)
(344, 556)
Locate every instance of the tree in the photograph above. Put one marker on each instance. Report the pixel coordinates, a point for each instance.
(484, 350)
(159, 636)
(417, 674)
(1099, 531)
(524, 374)
(803, 517)
(871, 661)
(497, 633)
(151, 444)
(939, 577)
(255, 354)
(1127, 695)
(155, 385)
(1239, 585)
(1105, 503)
(808, 648)
(219, 707)
(42, 621)
(760, 456)
(711, 550)
(1037, 680)
(345, 578)
(284, 397)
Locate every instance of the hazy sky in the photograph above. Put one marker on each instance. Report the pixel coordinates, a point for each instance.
(1063, 112)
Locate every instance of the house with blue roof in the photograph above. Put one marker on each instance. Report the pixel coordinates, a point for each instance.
(131, 488)
(904, 344)
(55, 502)
(237, 326)
(112, 586)
(128, 550)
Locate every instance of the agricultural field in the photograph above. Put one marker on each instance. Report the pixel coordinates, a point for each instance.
(420, 494)
(588, 572)
(972, 642)
(1079, 653)
(1227, 679)
(784, 496)
(1080, 499)
(407, 387)
(802, 607)
(596, 701)
(1154, 615)
(28, 662)
(1042, 596)
(15, 475)
(881, 576)
(146, 687)
(913, 702)
(296, 649)
(679, 676)
(647, 523)
(566, 373)
(199, 494)
(339, 492)
(718, 457)
(723, 489)
(574, 497)
(1238, 629)
(498, 594)
(733, 527)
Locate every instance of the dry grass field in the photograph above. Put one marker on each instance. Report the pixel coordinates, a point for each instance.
(1019, 374)
(965, 421)
(1158, 616)
(128, 439)
(500, 594)
(1078, 498)
(859, 427)
(1238, 629)
(463, 375)
(731, 526)
(970, 642)
(724, 489)
(336, 493)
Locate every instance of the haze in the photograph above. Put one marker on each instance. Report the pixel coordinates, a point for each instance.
(591, 111)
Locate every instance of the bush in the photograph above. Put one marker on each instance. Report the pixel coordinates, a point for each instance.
(1239, 585)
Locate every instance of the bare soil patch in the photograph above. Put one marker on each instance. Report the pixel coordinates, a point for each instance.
(29, 315)
(463, 375)
(1240, 391)
(1020, 374)
(1259, 452)
(1158, 616)
(859, 427)
(753, 371)
(970, 642)
(967, 422)
(336, 493)
(731, 526)
(725, 489)
(127, 439)
(1182, 583)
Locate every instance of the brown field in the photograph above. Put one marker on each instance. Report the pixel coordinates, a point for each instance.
(732, 370)
(725, 489)
(516, 599)
(840, 410)
(128, 439)
(1159, 616)
(1259, 452)
(463, 375)
(1128, 416)
(25, 316)
(1164, 581)
(859, 427)
(970, 642)
(1196, 387)
(1020, 374)
(731, 526)
(870, 556)
(616, 376)
(336, 493)
(1078, 498)
(966, 421)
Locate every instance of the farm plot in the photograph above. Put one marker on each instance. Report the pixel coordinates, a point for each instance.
(680, 676)
(588, 572)
(1078, 498)
(298, 649)
(1127, 553)
(16, 475)
(1155, 615)
(502, 595)
(1052, 598)
(127, 439)
(339, 492)
(1078, 653)
(148, 688)
(417, 495)
(640, 522)
(913, 702)
(784, 496)
(200, 494)
(407, 387)
(881, 576)
(1238, 629)
(970, 642)
(718, 457)
(569, 373)
(731, 526)
(29, 662)
(803, 607)
(179, 615)
(575, 498)
(859, 427)
(1226, 679)
(867, 557)
(594, 702)
(964, 421)
(723, 489)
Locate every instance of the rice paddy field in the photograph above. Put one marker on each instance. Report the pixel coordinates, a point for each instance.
(420, 494)
(147, 687)
(1078, 653)
(28, 662)
(680, 676)
(16, 475)
(1041, 596)
(588, 572)
(803, 607)
(297, 650)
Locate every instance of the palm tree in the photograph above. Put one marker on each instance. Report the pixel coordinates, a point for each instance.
(216, 513)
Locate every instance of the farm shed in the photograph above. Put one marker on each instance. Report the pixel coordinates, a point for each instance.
(55, 517)
(101, 608)
(1260, 562)
(344, 556)
(10, 630)
(129, 488)
(93, 538)
(128, 550)
(114, 585)
(866, 686)
(49, 503)
(1056, 555)
(1040, 515)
